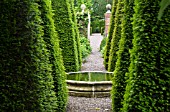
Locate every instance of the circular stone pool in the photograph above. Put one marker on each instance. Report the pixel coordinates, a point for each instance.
(89, 84)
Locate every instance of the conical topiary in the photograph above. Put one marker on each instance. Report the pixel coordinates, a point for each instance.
(77, 35)
(52, 41)
(123, 57)
(149, 73)
(115, 37)
(65, 28)
(110, 34)
(25, 72)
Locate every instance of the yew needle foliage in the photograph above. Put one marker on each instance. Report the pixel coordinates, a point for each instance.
(115, 37)
(25, 72)
(77, 35)
(52, 41)
(65, 28)
(149, 73)
(110, 34)
(123, 61)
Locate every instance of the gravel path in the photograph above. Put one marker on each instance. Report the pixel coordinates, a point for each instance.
(94, 62)
(82, 104)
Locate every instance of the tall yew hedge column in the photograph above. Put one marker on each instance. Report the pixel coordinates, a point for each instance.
(77, 35)
(25, 72)
(115, 37)
(65, 28)
(109, 38)
(123, 61)
(52, 41)
(149, 72)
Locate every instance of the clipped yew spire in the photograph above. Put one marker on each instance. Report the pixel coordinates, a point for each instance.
(25, 72)
(65, 28)
(123, 57)
(109, 38)
(149, 73)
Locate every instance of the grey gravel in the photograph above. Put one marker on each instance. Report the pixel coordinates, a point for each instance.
(82, 104)
(94, 62)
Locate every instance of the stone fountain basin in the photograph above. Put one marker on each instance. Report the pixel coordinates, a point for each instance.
(89, 88)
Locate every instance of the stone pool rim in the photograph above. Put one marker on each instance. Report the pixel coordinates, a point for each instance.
(93, 88)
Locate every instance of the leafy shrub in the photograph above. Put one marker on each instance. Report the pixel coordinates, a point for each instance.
(102, 50)
(82, 19)
(102, 30)
(85, 46)
(102, 45)
(102, 26)
(97, 24)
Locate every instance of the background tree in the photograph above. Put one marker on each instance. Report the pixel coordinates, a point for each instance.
(123, 54)
(109, 38)
(78, 3)
(99, 8)
(25, 73)
(149, 73)
(65, 28)
(52, 41)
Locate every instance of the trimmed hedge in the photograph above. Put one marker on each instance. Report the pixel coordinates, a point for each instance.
(110, 34)
(52, 41)
(123, 61)
(115, 37)
(77, 35)
(25, 73)
(65, 28)
(149, 72)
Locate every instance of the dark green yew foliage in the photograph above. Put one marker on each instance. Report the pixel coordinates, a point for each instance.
(110, 34)
(25, 72)
(52, 41)
(149, 73)
(164, 4)
(65, 28)
(77, 35)
(123, 61)
(115, 37)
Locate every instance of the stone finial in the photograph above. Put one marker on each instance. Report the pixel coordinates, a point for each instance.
(108, 7)
(83, 6)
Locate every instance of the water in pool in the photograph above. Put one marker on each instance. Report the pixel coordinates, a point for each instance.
(89, 76)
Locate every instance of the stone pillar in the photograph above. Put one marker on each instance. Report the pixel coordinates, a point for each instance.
(107, 23)
(107, 19)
